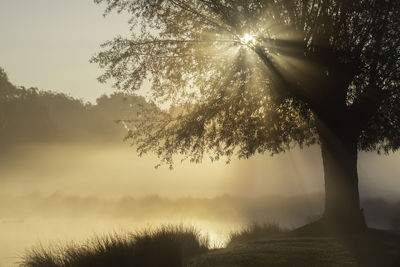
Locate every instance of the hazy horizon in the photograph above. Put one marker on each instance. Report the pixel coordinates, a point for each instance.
(119, 171)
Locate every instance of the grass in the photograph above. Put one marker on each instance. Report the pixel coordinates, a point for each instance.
(253, 246)
(372, 249)
(166, 246)
(256, 231)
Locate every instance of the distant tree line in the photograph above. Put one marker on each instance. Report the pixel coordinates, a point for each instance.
(31, 115)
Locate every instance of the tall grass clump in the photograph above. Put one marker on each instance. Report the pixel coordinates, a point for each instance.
(256, 231)
(167, 245)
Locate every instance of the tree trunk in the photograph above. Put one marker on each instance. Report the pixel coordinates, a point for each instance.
(342, 201)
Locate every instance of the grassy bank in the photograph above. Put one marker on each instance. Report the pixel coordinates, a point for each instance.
(372, 249)
(164, 246)
(253, 246)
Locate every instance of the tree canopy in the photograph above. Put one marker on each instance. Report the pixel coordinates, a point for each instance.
(251, 76)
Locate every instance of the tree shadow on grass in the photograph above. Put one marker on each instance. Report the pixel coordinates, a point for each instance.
(374, 248)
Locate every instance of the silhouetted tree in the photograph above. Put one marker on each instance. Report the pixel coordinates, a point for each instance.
(5, 85)
(29, 115)
(5, 90)
(266, 75)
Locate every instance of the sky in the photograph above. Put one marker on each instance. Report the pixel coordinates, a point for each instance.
(48, 43)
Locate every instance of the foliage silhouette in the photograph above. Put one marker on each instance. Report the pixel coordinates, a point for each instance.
(265, 75)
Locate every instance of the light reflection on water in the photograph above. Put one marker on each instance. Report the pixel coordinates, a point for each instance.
(18, 235)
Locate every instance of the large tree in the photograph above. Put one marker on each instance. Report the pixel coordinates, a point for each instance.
(250, 76)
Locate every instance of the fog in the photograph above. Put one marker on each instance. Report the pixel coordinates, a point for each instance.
(115, 170)
(52, 192)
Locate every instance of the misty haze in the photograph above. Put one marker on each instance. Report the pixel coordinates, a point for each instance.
(82, 179)
(148, 148)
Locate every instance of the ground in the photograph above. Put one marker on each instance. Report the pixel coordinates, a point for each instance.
(373, 249)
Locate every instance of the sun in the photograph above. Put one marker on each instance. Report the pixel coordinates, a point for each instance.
(248, 39)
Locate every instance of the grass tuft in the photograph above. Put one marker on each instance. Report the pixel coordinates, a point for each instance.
(167, 245)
